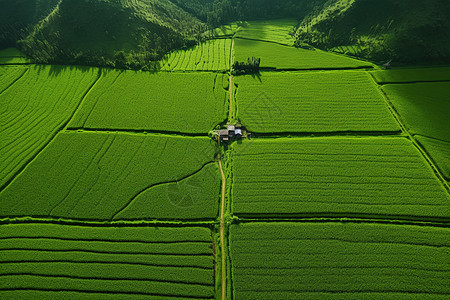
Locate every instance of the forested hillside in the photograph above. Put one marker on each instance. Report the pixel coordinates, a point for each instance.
(135, 34)
(404, 31)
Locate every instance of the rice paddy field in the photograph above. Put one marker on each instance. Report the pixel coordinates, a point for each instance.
(278, 31)
(12, 56)
(312, 102)
(48, 261)
(378, 177)
(212, 55)
(339, 261)
(113, 185)
(36, 103)
(102, 176)
(412, 75)
(165, 102)
(281, 57)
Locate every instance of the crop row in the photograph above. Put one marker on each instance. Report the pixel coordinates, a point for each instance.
(312, 102)
(335, 176)
(129, 100)
(8, 75)
(106, 176)
(276, 56)
(278, 31)
(211, 55)
(335, 260)
(166, 262)
(34, 108)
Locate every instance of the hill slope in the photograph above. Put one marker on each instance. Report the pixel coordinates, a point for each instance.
(406, 31)
(116, 33)
(17, 18)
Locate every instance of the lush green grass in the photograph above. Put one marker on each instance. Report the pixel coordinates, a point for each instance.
(374, 177)
(189, 103)
(285, 57)
(35, 108)
(278, 31)
(175, 262)
(12, 56)
(439, 152)
(339, 261)
(312, 102)
(412, 75)
(424, 107)
(212, 55)
(103, 176)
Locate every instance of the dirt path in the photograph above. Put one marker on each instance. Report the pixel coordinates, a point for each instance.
(222, 233)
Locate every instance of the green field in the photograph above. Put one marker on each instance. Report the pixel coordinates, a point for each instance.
(105, 176)
(439, 152)
(35, 108)
(12, 56)
(86, 261)
(127, 100)
(412, 75)
(312, 102)
(212, 55)
(9, 75)
(339, 261)
(374, 177)
(423, 107)
(274, 56)
(114, 186)
(277, 31)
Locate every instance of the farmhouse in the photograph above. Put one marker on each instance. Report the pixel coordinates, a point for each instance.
(233, 132)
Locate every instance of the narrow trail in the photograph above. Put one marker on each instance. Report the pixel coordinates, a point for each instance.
(222, 232)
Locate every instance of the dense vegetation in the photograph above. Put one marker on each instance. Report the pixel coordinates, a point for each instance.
(310, 102)
(101, 176)
(404, 31)
(55, 261)
(184, 103)
(33, 109)
(377, 177)
(338, 261)
(135, 34)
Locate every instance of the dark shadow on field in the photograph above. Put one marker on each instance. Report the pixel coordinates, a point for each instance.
(54, 71)
(257, 76)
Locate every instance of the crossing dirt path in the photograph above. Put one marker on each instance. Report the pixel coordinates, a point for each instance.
(222, 233)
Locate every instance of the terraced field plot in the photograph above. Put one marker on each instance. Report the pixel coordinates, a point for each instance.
(12, 56)
(54, 261)
(423, 107)
(127, 100)
(439, 151)
(312, 102)
(339, 261)
(277, 31)
(412, 75)
(212, 55)
(371, 177)
(101, 176)
(34, 108)
(274, 56)
(9, 75)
